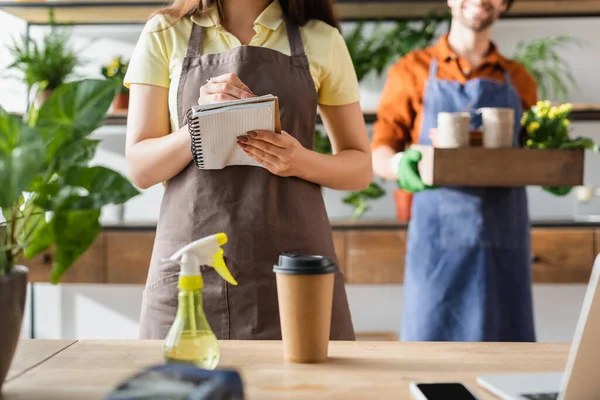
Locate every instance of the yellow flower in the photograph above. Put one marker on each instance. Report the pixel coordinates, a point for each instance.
(553, 112)
(115, 64)
(566, 122)
(523, 119)
(533, 126)
(564, 109)
(541, 112)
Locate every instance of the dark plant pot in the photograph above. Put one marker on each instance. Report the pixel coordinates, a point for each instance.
(121, 102)
(403, 205)
(13, 290)
(41, 97)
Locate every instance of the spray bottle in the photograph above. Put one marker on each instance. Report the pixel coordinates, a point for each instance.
(190, 339)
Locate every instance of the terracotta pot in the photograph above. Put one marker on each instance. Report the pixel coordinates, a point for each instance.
(41, 97)
(403, 205)
(121, 102)
(13, 290)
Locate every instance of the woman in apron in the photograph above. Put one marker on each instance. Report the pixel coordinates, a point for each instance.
(264, 211)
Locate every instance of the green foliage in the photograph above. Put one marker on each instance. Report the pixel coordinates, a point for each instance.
(322, 143)
(552, 73)
(44, 169)
(376, 51)
(48, 64)
(359, 200)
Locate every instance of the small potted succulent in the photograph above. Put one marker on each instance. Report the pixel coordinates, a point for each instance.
(51, 196)
(117, 70)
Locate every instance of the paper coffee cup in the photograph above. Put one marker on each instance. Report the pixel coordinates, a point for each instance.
(305, 294)
(453, 129)
(498, 127)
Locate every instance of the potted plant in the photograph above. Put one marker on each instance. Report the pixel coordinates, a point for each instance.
(548, 127)
(44, 66)
(550, 72)
(117, 70)
(50, 194)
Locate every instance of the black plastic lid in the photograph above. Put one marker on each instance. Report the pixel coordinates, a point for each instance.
(299, 264)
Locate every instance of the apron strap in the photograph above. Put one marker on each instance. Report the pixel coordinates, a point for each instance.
(433, 69)
(295, 38)
(507, 79)
(196, 40)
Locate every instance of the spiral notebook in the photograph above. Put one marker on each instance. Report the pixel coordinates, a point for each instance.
(214, 129)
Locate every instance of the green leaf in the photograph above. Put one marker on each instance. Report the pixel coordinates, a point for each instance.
(4, 255)
(373, 191)
(579, 143)
(322, 143)
(352, 199)
(41, 239)
(17, 171)
(85, 188)
(32, 217)
(104, 185)
(75, 231)
(74, 111)
(361, 208)
(77, 154)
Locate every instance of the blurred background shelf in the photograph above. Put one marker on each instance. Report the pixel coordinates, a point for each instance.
(136, 12)
(581, 112)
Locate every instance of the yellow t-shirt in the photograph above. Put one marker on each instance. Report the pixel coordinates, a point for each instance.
(159, 53)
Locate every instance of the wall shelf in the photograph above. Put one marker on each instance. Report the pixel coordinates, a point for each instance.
(112, 12)
(580, 113)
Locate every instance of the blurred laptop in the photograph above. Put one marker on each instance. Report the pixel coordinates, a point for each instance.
(581, 377)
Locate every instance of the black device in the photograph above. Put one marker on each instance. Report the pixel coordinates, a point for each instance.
(441, 391)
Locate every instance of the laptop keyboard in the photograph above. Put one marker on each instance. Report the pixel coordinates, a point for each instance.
(541, 396)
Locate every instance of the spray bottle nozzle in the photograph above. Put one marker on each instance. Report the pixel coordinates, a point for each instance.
(205, 251)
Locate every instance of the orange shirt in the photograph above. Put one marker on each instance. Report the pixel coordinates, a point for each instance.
(399, 115)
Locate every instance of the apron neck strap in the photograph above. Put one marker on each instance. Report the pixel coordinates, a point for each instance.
(295, 38)
(507, 79)
(433, 69)
(196, 40)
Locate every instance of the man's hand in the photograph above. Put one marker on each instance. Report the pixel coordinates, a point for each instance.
(408, 172)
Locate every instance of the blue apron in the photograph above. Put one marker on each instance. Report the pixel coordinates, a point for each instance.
(468, 262)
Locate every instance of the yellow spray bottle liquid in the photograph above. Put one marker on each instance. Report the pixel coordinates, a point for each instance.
(190, 339)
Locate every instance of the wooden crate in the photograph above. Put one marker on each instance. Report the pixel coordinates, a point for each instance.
(503, 167)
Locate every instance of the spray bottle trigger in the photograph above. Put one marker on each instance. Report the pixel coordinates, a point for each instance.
(221, 268)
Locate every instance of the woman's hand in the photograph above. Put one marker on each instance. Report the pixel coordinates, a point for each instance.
(278, 153)
(224, 88)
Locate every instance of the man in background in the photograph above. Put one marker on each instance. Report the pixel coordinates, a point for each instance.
(468, 268)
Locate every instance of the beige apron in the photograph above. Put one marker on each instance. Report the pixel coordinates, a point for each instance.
(262, 214)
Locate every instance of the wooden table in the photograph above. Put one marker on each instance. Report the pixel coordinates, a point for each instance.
(31, 353)
(89, 369)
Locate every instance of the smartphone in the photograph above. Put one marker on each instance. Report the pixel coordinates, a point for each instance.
(441, 391)
(179, 382)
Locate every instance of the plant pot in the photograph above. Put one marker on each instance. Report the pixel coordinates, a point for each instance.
(13, 290)
(403, 205)
(121, 102)
(41, 97)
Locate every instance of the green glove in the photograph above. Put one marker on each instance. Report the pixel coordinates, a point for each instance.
(557, 191)
(408, 172)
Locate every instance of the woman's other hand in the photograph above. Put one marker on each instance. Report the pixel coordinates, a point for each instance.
(224, 88)
(278, 153)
